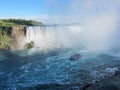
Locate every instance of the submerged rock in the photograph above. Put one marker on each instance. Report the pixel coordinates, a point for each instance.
(75, 57)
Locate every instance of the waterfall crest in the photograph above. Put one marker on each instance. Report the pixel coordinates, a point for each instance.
(53, 36)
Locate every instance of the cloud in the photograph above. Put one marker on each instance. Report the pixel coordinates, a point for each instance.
(79, 10)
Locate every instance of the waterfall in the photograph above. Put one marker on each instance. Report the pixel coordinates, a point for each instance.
(67, 36)
(52, 36)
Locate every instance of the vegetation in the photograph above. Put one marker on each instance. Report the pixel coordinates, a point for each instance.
(13, 22)
(8, 24)
(4, 39)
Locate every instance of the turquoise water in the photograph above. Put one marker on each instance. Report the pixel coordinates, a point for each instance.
(29, 68)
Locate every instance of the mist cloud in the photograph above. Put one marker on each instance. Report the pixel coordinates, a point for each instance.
(98, 17)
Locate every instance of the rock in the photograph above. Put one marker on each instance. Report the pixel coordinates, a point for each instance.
(103, 86)
(110, 83)
(18, 31)
(108, 87)
(86, 86)
(29, 45)
(75, 57)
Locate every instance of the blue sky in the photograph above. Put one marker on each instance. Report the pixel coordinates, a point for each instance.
(11, 8)
(22, 7)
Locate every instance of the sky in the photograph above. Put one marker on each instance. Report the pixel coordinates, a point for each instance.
(27, 6)
(30, 8)
(54, 9)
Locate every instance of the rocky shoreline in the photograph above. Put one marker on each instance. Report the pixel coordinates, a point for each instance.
(110, 83)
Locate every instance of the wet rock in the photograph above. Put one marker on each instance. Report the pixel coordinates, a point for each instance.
(52, 87)
(110, 83)
(104, 86)
(108, 87)
(86, 86)
(29, 45)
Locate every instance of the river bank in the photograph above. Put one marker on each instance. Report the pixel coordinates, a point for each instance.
(110, 83)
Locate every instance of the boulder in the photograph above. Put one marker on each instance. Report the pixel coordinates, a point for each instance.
(29, 45)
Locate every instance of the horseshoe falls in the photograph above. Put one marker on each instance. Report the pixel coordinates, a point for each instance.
(54, 36)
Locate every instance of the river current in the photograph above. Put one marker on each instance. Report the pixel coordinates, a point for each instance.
(29, 68)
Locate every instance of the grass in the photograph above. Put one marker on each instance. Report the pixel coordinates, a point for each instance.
(7, 24)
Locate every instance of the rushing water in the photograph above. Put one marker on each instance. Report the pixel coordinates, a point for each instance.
(50, 65)
(53, 36)
(28, 68)
(69, 36)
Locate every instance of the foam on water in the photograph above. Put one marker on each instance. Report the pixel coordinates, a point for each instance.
(55, 67)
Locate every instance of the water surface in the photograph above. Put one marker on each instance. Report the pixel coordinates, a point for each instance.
(29, 68)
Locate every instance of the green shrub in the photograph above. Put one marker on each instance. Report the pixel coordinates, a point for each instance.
(4, 40)
(20, 22)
